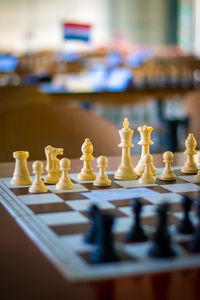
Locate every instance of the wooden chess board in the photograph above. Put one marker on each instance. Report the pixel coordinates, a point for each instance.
(57, 222)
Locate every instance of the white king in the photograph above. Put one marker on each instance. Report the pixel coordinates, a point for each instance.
(145, 142)
(126, 170)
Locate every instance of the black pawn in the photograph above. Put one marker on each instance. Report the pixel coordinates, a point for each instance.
(185, 226)
(90, 236)
(136, 232)
(161, 239)
(194, 245)
(105, 251)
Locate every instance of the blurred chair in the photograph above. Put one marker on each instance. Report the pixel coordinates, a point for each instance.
(17, 96)
(31, 128)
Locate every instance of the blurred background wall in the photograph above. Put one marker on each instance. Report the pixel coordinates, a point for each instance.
(140, 60)
(36, 24)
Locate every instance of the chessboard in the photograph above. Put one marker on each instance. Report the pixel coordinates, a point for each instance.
(57, 221)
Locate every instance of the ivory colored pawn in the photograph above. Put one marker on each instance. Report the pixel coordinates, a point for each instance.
(167, 173)
(190, 166)
(197, 177)
(21, 174)
(65, 182)
(38, 185)
(147, 177)
(102, 179)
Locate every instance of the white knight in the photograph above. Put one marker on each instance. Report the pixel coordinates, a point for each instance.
(53, 164)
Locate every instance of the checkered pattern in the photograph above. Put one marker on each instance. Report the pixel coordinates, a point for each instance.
(64, 215)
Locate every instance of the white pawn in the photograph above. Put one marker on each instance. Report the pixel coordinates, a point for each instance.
(65, 182)
(102, 179)
(147, 177)
(167, 173)
(38, 185)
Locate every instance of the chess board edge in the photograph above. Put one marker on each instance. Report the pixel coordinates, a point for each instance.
(71, 266)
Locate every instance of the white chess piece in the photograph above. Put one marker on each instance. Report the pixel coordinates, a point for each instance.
(64, 182)
(126, 170)
(197, 177)
(147, 176)
(87, 172)
(53, 166)
(21, 174)
(102, 179)
(145, 142)
(38, 185)
(190, 166)
(167, 173)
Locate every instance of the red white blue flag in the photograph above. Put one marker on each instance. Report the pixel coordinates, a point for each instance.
(76, 31)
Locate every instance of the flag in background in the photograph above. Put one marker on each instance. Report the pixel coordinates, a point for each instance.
(76, 31)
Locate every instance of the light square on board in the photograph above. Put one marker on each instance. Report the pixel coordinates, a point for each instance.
(139, 250)
(147, 210)
(182, 187)
(189, 178)
(159, 199)
(132, 184)
(58, 218)
(122, 224)
(83, 205)
(192, 215)
(77, 189)
(76, 242)
(40, 198)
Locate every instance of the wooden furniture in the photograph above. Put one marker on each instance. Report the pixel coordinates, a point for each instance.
(32, 128)
(124, 97)
(27, 274)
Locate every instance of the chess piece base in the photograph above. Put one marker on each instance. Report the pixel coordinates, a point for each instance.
(168, 176)
(39, 188)
(86, 175)
(125, 173)
(65, 185)
(157, 251)
(21, 181)
(197, 177)
(189, 169)
(101, 256)
(52, 178)
(136, 234)
(102, 181)
(147, 179)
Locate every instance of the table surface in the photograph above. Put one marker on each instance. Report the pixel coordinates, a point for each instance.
(27, 274)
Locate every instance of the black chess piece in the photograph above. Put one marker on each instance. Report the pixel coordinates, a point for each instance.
(194, 244)
(161, 239)
(90, 236)
(136, 232)
(185, 226)
(105, 251)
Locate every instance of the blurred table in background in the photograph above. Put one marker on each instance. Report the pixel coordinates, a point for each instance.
(123, 97)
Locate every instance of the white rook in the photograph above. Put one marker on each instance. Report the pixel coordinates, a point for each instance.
(21, 174)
